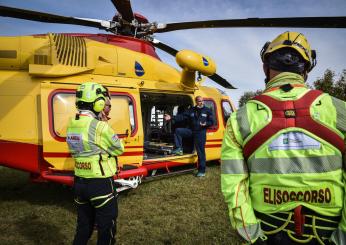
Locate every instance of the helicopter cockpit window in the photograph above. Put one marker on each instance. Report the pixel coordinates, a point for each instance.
(122, 118)
(212, 106)
(226, 110)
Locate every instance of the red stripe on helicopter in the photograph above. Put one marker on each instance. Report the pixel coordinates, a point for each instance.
(213, 146)
(132, 153)
(217, 140)
(68, 155)
(166, 164)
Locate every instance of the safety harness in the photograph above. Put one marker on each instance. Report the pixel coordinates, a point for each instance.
(291, 113)
(301, 225)
(315, 226)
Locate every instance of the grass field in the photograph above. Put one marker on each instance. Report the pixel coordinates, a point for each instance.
(175, 210)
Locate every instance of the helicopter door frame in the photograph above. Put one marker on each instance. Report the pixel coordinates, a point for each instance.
(58, 105)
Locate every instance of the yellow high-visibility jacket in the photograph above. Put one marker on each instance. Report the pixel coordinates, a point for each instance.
(292, 167)
(94, 146)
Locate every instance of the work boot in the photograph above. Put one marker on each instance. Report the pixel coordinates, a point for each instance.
(200, 174)
(178, 151)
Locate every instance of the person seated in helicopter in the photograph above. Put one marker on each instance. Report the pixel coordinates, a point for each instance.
(198, 119)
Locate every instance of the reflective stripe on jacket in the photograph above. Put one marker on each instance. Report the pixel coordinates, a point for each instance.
(293, 167)
(94, 146)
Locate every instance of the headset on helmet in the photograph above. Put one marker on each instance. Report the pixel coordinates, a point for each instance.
(290, 41)
(93, 93)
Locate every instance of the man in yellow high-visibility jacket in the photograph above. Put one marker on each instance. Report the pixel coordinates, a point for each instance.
(94, 147)
(282, 155)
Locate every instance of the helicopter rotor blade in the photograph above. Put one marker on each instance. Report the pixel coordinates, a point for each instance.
(215, 77)
(124, 9)
(164, 47)
(302, 22)
(221, 81)
(25, 14)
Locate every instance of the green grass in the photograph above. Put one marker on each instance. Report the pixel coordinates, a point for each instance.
(175, 210)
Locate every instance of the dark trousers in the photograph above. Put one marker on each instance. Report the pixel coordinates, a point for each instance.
(199, 139)
(96, 203)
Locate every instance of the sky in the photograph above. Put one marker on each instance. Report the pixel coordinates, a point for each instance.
(235, 50)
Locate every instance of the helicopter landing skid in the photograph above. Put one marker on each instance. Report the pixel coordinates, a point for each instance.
(125, 184)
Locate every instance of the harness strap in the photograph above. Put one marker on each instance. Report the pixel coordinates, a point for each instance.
(299, 221)
(286, 114)
(315, 226)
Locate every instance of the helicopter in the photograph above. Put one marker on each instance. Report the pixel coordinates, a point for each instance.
(40, 73)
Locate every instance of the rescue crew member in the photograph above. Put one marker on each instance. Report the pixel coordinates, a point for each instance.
(199, 118)
(282, 155)
(94, 147)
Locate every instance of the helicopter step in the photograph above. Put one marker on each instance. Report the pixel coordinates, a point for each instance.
(155, 175)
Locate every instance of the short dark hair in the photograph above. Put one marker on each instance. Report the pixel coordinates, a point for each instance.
(286, 60)
(81, 105)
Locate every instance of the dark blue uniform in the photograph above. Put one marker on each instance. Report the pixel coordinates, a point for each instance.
(194, 117)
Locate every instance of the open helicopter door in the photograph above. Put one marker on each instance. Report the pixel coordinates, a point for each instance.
(58, 105)
(124, 119)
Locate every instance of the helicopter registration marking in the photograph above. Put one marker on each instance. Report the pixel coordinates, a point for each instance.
(75, 142)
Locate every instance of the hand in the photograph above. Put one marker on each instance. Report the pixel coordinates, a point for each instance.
(103, 117)
(167, 117)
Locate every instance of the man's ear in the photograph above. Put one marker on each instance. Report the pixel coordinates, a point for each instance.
(265, 68)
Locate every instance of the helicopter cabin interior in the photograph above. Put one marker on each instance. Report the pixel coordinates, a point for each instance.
(158, 133)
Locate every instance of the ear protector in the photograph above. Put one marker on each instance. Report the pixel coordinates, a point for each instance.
(99, 104)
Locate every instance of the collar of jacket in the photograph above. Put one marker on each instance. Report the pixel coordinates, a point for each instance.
(285, 78)
(88, 113)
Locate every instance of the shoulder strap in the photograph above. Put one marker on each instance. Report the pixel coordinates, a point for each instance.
(286, 114)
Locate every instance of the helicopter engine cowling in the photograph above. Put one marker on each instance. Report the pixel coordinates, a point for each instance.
(191, 62)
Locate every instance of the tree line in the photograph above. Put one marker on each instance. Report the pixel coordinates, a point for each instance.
(329, 83)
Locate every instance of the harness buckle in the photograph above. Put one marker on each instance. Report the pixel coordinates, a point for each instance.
(290, 113)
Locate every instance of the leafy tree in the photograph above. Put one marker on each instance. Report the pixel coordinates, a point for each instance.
(248, 96)
(325, 83)
(340, 86)
(330, 85)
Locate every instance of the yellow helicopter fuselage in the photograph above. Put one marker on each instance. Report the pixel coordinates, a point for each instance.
(38, 78)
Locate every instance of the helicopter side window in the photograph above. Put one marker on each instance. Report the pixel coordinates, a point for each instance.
(212, 106)
(226, 110)
(63, 107)
(122, 115)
